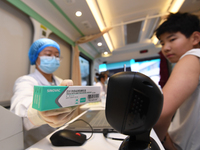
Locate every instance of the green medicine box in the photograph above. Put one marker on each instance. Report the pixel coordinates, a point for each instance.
(54, 97)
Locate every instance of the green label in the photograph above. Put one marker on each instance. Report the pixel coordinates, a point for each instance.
(44, 97)
(83, 100)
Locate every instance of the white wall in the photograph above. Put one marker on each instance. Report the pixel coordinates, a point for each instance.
(15, 39)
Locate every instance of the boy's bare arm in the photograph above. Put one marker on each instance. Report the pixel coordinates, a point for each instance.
(181, 84)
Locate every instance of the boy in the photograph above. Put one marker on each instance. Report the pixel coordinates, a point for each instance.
(179, 36)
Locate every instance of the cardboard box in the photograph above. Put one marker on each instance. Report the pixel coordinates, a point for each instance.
(54, 97)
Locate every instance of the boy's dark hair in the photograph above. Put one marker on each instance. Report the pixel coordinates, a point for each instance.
(179, 22)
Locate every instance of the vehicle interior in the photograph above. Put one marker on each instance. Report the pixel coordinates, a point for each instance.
(111, 35)
(94, 36)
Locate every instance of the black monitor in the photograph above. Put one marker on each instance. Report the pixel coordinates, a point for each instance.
(133, 105)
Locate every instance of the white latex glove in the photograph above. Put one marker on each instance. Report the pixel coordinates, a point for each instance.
(55, 118)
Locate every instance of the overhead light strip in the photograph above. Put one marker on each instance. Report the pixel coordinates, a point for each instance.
(174, 8)
(176, 5)
(97, 15)
(70, 21)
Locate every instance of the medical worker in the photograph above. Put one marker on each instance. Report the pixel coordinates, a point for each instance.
(101, 82)
(45, 55)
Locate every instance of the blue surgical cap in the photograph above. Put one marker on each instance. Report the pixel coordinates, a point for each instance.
(38, 46)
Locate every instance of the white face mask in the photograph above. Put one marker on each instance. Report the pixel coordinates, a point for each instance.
(49, 64)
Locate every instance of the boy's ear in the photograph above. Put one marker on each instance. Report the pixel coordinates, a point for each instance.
(196, 38)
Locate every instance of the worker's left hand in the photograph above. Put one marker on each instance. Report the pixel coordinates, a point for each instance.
(55, 118)
(58, 117)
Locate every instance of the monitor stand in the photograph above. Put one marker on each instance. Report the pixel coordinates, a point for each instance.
(139, 142)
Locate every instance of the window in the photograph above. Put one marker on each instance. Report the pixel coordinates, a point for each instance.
(85, 66)
(150, 67)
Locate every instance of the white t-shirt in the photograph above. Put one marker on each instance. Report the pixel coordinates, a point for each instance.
(185, 128)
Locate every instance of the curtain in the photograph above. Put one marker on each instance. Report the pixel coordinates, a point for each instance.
(164, 71)
(76, 71)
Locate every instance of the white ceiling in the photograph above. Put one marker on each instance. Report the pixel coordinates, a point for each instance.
(116, 14)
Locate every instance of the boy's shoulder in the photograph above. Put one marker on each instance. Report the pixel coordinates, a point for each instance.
(194, 52)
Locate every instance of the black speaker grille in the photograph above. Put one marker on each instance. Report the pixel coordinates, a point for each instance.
(137, 111)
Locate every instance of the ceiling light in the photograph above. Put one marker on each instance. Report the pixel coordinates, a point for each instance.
(106, 54)
(97, 15)
(175, 6)
(99, 44)
(78, 13)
